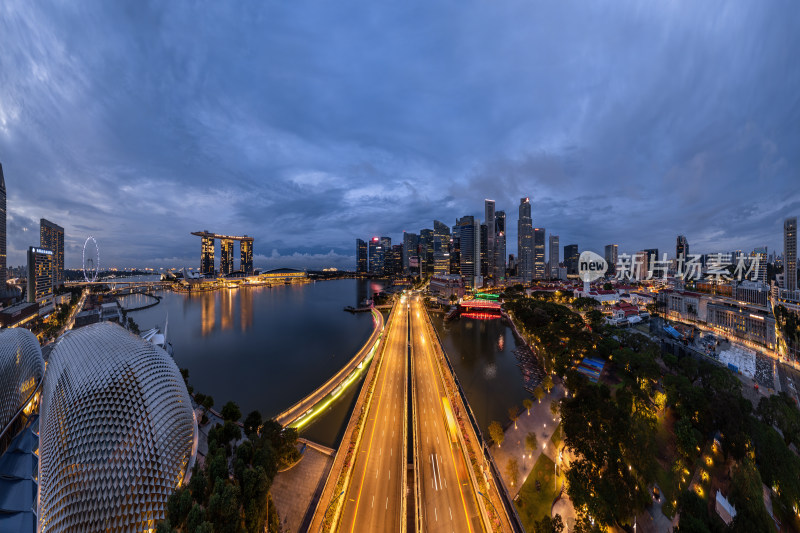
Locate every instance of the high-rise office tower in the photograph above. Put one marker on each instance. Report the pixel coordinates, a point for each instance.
(682, 248)
(386, 242)
(469, 231)
(226, 257)
(525, 241)
(393, 264)
(441, 248)
(790, 253)
(455, 251)
(246, 256)
(410, 249)
(499, 245)
(639, 262)
(40, 274)
(51, 237)
(426, 252)
(376, 256)
(538, 253)
(2, 231)
(361, 256)
(207, 255)
(552, 264)
(761, 273)
(651, 256)
(612, 254)
(491, 232)
(485, 267)
(571, 259)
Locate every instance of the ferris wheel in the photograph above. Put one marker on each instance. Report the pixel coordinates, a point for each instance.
(91, 259)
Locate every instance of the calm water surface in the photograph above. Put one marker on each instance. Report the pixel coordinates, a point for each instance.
(265, 348)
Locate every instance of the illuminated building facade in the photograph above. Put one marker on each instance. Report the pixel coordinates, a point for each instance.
(40, 274)
(682, 248)
(538, 253)
(789, 254)
(207, 255)
(426, 264)
(611, 257)
(554, 258)
(410, 249)
(361, 256)
(226, 257)
(51, 237)
(571, 258)
(525, 241)
(491, 233)
(117, 432)
(246, 257)
(441, 248)
(469, 231)
(499, 245)
(21, 372)
(376, 256)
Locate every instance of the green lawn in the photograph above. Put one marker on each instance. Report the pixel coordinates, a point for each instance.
(533, 505)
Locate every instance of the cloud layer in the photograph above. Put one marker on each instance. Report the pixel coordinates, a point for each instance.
(308, 125)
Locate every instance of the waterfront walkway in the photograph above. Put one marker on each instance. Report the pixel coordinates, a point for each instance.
(301, 412)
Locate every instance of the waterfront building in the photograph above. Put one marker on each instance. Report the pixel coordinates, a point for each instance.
(2, 231)
(117, 432)
(611, 256)
(491, 235)
(426, 252)
(525, 241)
(376, 256)
(207, 255)
(246, 257)
(554, 257)
(361, 256)
(445, 286)
(226, 257)
(284, 274)
(410, 249)
(790, 253)
(40, 275)
(538, 254)
(571, 259)
(499, 245)
(470, 251)
(51, 237)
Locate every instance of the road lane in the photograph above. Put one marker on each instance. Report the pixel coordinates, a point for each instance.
(373, 501)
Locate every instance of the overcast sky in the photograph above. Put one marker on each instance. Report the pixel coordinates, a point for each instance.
(308, 124)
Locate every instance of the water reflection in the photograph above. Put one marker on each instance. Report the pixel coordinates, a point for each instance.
(208, 307)
(246, 308)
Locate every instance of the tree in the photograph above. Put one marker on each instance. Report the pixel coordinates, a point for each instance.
(512, 471)
(595, 319)
(549, 525)
(231, 411)
(746, 496)
(223, 508)
(208, 402)
(555, 406)
(531, 443)
(252, 422)
(513, 414)
(538, 393)
(687, 438)
(164, 527)
(527, 404)
(547, 383)
(496, 432)
(195, 518)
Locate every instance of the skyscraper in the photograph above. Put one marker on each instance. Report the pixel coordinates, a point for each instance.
(410, 249)
(441, 248)
(246, 256)
(455, 251)
(500, 245)
(226, 257)
(571, 259)
(485, 267)
(491, 232)
(612, 254)
(393, 262)
(552, 264)
(470, 251)
(790, 253)
(426, 252)
(651, 257)
(361, 256)
(376, 256)
(207, 255)
(761, 254)
(525, 241)
(51, 237)
(2, 231)
(40, 274)
(682, 248)
(538, 253)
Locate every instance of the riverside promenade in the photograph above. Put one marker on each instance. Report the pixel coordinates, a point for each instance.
(306, 409)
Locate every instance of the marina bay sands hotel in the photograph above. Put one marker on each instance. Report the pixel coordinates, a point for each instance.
(226, 251)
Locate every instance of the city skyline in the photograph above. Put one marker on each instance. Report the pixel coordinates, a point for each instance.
(353, 145)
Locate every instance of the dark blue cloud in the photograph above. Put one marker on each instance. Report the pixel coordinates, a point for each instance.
(307, 125)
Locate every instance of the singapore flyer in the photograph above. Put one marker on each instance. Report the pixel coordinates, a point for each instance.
(91, 259)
